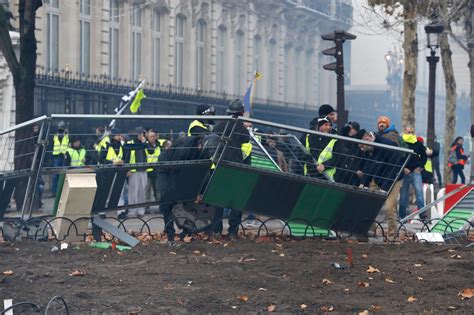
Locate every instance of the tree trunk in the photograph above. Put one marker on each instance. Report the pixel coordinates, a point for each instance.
(410, 47)
(450, 84)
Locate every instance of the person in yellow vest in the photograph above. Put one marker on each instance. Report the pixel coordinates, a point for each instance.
(427, 176)
(76, 154)
(101, 142)
(113, 151)
(199, 126)
(60, 145)
(153, 151)
(135, 153)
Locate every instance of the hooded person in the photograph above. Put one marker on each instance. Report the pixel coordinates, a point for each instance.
(328, 111)
(386, 129)
(199, 126)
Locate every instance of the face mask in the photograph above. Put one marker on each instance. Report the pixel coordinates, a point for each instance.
(409, 138)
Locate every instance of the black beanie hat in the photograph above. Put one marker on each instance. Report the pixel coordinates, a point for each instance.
(325, 110)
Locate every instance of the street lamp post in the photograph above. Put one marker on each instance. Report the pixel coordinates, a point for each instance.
(433, 32)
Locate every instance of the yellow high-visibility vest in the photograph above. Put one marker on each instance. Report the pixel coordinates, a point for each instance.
(112, 156)
(196, 123)
(305, 168)
(161, 141)
(326, 155)
(102, 144)
(429, 166)
(152, 157)
(78, 157)
(246, 149)
(60, 147)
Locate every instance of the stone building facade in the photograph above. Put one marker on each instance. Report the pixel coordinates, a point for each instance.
(204, 45)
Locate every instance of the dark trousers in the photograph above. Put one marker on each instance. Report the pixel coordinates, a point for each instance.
(458, 170)
(235, 218)
(165, 209)
(439, 178)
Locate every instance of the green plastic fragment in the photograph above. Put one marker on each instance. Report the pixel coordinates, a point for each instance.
(107, 245)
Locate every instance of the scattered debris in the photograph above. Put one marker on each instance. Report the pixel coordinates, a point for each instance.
(411, 298)
(372, 270)
(466, 293)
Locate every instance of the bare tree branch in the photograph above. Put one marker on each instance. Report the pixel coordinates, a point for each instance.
(6, 45)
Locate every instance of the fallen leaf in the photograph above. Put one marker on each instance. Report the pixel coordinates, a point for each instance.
(271, 308)
(370, 278)
(327, 308)
(327, 282)
(8, 272)
(389, 280)
(419, 278)
(451, 250)
(418, 265)
(134, 311)
(365, 256)
(282, 255)
(452, 308)
(169, 287)
(411, 298)
(366, 312)
(375, 308)
(466, 293)
(262, 289)
(372, 270)
(347, 290)
(234, 307)
(226, 244)
(77, 273)
(246, 259)
(285, 275)
(363, 284)
(303, 306)
(187, 239)
(243, 298)
(456, 256)
(172, 253)
(196, 253)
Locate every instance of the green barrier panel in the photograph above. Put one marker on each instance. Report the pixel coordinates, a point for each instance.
(59, 191)
(280, 195)
(460, 215)
(263, 162)
(307, 230)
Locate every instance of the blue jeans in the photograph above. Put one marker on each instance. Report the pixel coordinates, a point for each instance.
(414, 179)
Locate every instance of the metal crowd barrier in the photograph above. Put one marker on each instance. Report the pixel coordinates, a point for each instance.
(279, 179)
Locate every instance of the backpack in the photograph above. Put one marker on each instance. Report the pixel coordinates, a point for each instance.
(452, 158)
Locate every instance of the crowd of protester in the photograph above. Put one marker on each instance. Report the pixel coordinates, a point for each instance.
(317, 155)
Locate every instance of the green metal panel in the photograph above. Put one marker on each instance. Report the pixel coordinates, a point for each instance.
(298, 229)
(263, 163)
(230, 187)
(318, 205)
(454, 214)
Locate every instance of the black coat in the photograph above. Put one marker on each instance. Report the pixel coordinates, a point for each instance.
(419, 158)
(382, 165)
(233, 151)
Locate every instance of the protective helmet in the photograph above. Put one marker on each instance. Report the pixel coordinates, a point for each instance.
(235, 107)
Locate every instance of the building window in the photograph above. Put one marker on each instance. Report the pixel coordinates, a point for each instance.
(52, 35)
(221, 50)
(136, 40)
(156, 46)
(200, 44)
(239, 52)
(272, 68)
(179, 49)
(286, 74)
(84, 36)
(114, 26)
(257, 50)
(308, 77)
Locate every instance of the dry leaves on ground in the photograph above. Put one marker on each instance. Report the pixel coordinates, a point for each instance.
(246, 259)
(466, 293)
(327, 309)
(456, 256)
(375, 308)
(365, 256)
(419, 278)
(363, 284)
(77, 273)
(8, 272)
(411, 298)
(327, 282)
(303, 306)
(271, 308)
(389, 280)
(242, 298)
(188, 239)
(372, 270)
(418, 265)
(262, 289)
(366, 312)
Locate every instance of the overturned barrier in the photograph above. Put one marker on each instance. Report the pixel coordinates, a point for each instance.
(282, 179)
